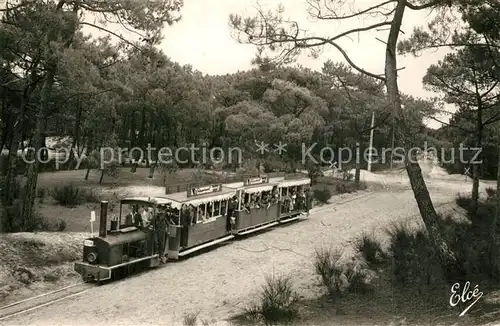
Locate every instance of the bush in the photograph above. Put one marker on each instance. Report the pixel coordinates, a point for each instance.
(322, 195)
(472, 244)
(71, 196)
(349, 187)
(326, 267)
(371, 250)
(190, 319)
(463, 201)
(357, 279)
(277, 303)
(41, 193)
(12, 222)
(414, 258)
(491, 192)
(352, 277)
(313, 171)
(15, 188)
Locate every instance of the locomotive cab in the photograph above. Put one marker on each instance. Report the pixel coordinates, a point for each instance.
(123, 246)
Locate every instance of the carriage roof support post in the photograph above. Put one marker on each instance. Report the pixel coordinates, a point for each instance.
(239, 200)
(103, 219)
(120, 216)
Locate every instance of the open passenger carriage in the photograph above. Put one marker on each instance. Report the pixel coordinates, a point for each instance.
(202, 221)
(264, 202)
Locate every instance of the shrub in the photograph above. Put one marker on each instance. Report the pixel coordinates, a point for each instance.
(371, 250)
(90, 196)
(326, 267)
(12, 222)
(277, 303)
(190, 319)
(15, 188)
(70, 195)
(61, 226)
(313, 171)
(322, 195)
(362, 185)
(463, 201)
(357, 279)
(414, 258)
(472, 244)
(41, 193)
(349, 187)
(491, 192)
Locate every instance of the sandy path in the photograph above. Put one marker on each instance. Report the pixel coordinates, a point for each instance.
(223, 281)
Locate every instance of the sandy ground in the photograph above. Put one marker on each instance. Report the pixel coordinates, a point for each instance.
(224, 281)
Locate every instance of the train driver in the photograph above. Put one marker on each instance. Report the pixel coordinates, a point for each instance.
(129, 218)
(137, 217)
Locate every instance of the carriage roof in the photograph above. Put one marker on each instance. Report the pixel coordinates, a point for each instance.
(295, 182)
(179, 198)
(250, 189)
(273, 182)
(146, 200)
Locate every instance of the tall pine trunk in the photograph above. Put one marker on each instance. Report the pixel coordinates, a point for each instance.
(449, 262)
(76, 135)
(475, 167)
(29, 190)
(133, 142)
(494, 250)
(357, 173)
(11, 176)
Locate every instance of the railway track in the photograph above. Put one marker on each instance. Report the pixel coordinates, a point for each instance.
(42, 300)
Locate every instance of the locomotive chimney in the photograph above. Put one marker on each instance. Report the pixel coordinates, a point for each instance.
(103, 220)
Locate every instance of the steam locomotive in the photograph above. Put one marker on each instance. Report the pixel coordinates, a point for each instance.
(184, 222)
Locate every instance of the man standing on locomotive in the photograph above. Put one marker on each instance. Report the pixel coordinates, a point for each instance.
(137, 218)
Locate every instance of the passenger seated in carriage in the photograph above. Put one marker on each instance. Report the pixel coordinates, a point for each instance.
(247, 203)
(256, 201)
(200, 213)
(266, 199)
(209, 211)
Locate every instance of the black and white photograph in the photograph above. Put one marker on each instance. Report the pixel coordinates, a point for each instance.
(252, 162)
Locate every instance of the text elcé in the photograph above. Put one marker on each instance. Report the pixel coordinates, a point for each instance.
(465, 296)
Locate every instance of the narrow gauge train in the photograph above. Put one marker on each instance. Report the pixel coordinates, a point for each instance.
(184, 222)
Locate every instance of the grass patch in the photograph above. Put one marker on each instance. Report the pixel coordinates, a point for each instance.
(28, 258)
